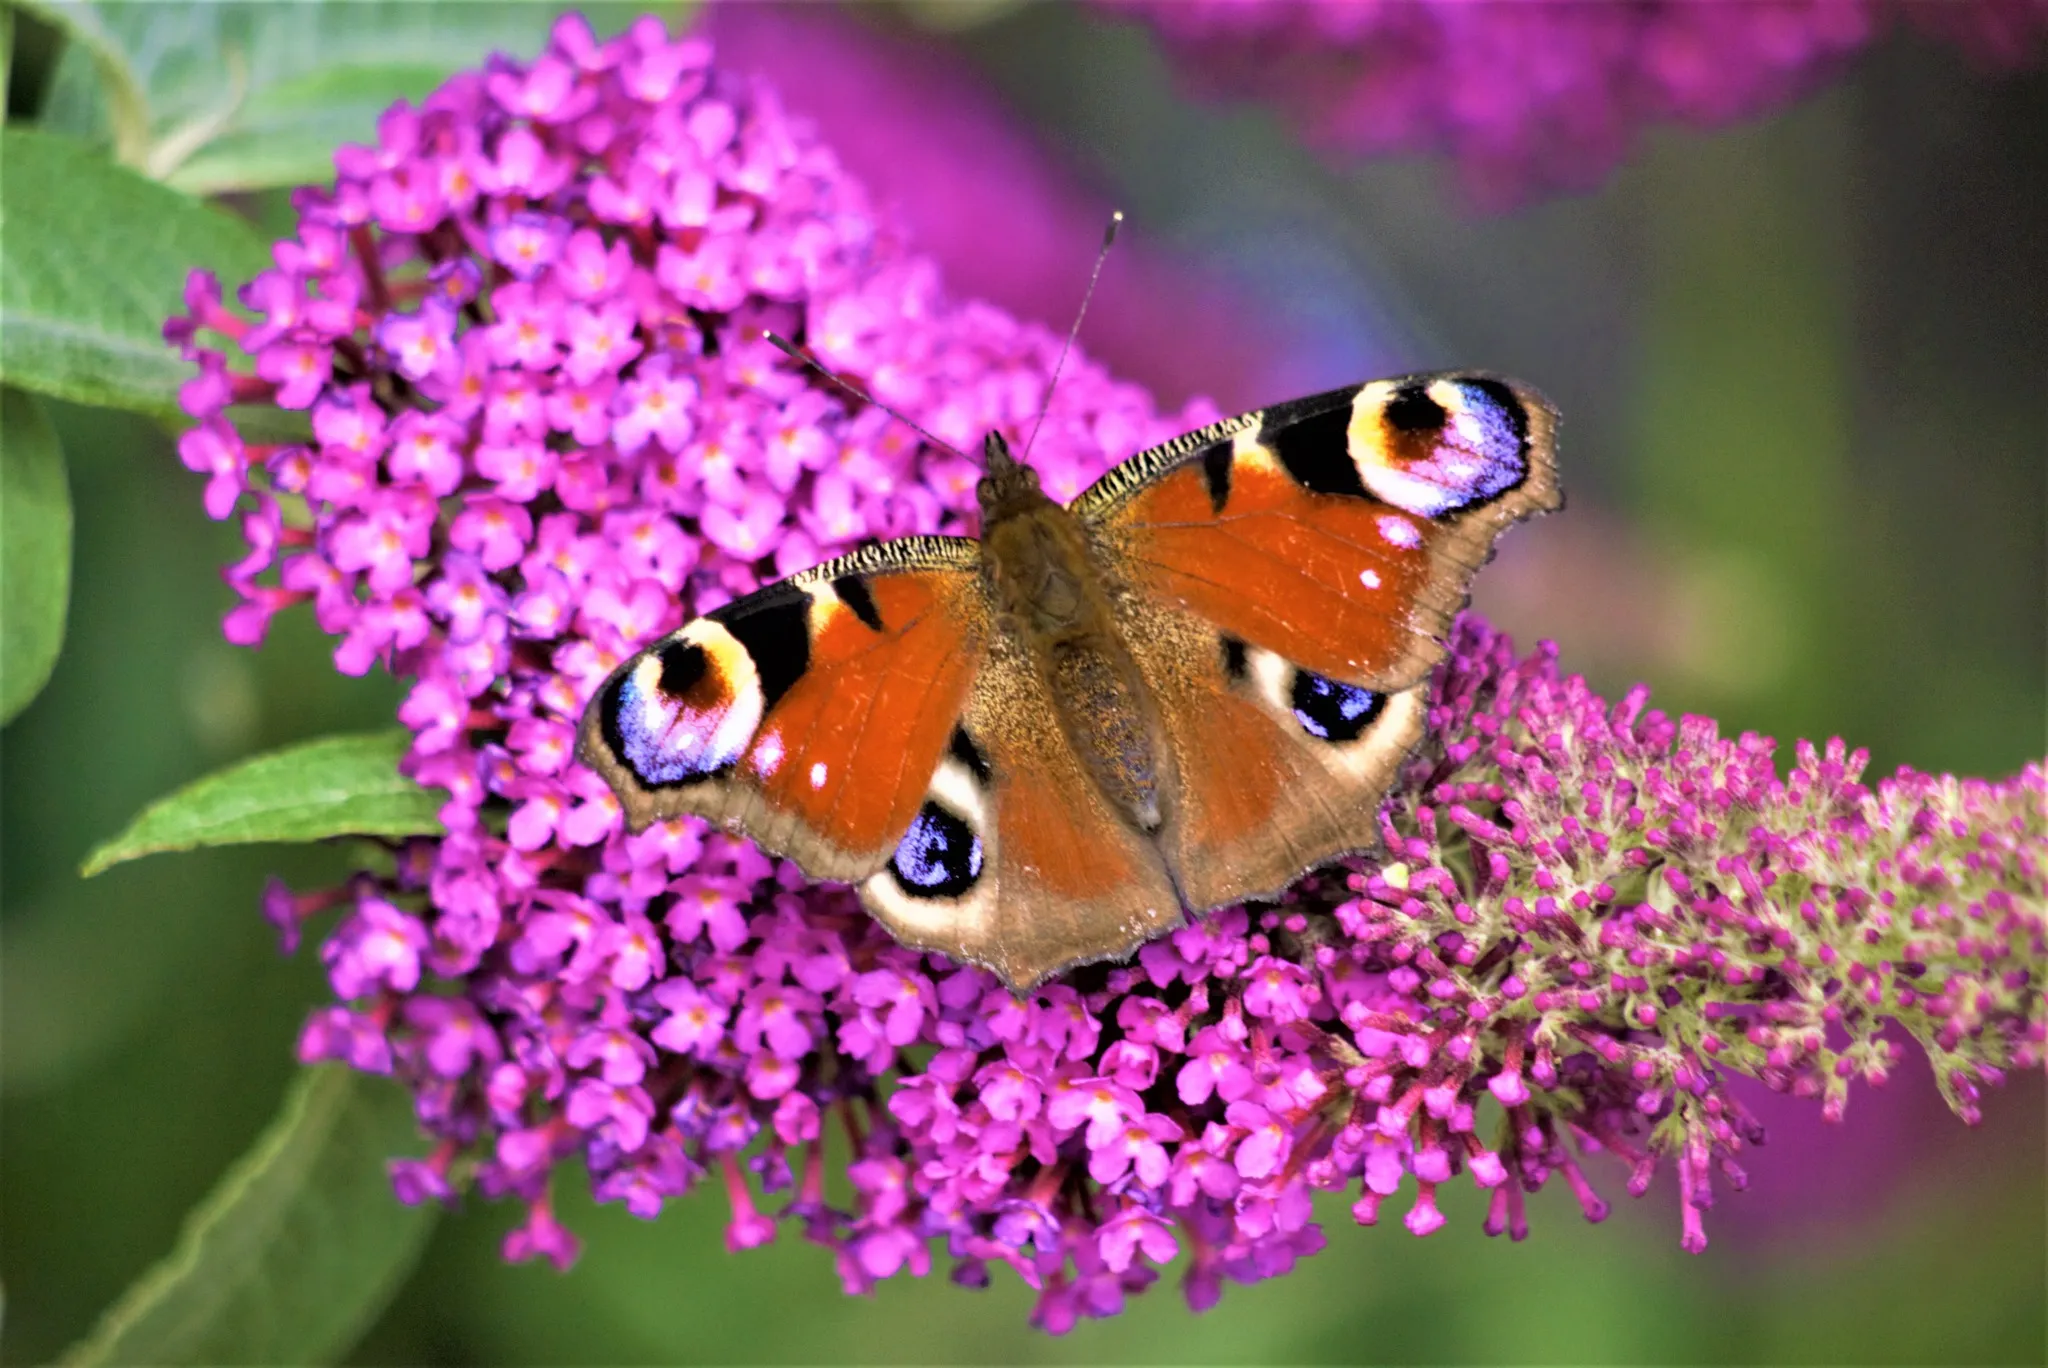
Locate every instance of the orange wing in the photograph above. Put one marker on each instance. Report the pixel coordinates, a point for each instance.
(1279, 769)
(1015, 861)
(1341, 531)
(809, 716)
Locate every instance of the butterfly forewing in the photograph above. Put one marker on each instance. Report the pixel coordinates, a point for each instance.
(810, 715)
(1340, 531)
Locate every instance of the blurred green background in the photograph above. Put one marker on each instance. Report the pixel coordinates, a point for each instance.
(1804, 370)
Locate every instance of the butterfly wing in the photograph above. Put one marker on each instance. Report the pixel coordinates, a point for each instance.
(1278, 769)
(867, 719)
(810, 715)
(1015, 861)
(1340, 531)
(1285, 582)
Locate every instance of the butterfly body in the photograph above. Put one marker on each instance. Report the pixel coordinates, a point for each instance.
(1046, 580)
(1181, 691)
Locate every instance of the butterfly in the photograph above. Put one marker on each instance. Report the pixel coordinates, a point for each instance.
(1183, 690)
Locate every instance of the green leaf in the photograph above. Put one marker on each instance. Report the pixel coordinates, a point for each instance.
(248, 96)
(335, 786)
(293, 1255)
(96, 259)
(35, 550)
(125, 113)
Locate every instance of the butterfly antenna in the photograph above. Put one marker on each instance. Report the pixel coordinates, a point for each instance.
(797, 353)
(1108, 239)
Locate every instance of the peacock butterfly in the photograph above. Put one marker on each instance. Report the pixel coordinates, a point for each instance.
(1182, 690)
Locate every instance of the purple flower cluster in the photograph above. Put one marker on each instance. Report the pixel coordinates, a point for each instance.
(1532, 98)
(526, 331)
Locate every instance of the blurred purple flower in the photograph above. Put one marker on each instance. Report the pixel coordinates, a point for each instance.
(1588, 917)
(1529, 99)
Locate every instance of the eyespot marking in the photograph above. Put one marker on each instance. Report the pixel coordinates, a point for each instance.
(1331, 711)
(685, 709)
(1412, 410)
(939, 857)
(1439, 446)
(682, 665)
(1316, 452)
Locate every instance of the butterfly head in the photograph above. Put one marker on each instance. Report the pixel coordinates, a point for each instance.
(1008, 487)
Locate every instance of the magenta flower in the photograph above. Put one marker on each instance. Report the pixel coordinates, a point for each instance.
(1529, 99)
(1589, 917)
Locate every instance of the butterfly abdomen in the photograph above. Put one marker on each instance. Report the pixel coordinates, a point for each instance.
(1106, 714)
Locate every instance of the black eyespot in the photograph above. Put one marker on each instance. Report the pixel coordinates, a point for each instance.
(963, 749)
(939, 857)
(1235, 664)
(682, 666)
(1412, 410)
(774, 625)
(1316, 451)
(1333, 711)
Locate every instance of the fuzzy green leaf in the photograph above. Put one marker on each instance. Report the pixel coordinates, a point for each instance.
(335, 786)
(96, 259)
(35, 550)
(292, 1256)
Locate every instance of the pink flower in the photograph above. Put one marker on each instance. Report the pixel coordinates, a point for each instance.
(215, 450)
(423, 451)
(527, 243)
(600, 340)
(529, 321)
(419, 343)
(655, 403)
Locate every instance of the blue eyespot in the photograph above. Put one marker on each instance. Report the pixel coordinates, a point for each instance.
(669, 737)
(1458, 443)
(1333, 711)
(939, 857)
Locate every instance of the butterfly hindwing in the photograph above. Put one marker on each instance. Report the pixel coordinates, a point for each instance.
(1015, 861)
(1279, 769)
(1340, 531)
(809, 715)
